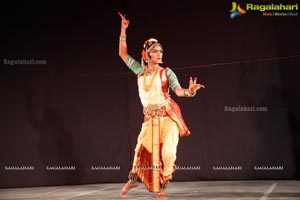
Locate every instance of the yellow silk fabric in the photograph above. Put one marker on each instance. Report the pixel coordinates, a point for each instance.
(155, 153)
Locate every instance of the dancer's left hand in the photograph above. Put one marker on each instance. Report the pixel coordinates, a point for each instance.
(193, 86)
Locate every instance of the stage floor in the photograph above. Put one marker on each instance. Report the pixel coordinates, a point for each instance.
(233, 190)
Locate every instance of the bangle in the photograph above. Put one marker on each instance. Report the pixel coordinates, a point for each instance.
(187, 93)
(122, 38)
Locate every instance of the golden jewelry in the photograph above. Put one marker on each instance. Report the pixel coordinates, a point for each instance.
(187, 93)
(122, 38)
(149, 71)
(152, 73)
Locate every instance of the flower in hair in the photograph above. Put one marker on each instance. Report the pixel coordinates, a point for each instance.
(149, 42)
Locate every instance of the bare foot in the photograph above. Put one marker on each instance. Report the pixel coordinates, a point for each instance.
(161, 194)
(129, 185)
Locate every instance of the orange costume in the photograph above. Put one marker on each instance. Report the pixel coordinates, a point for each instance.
(155, 152)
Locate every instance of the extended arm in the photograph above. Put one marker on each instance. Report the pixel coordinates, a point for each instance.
(193, 87)
(178, 90)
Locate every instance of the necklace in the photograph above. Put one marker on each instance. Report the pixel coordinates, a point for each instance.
(149, 71)
(152, 76)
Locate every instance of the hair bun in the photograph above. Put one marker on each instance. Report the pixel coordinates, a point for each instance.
(148, 43)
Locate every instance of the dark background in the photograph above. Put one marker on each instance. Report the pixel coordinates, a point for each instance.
(82, 107)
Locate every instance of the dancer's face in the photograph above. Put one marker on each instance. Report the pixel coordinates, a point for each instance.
(156, 54)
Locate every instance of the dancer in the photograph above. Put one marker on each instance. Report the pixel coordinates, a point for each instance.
(155, 152)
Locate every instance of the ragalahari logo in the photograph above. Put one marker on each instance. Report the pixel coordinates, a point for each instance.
(236, 10)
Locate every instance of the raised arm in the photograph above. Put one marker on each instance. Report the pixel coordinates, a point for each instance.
(132, 64)
(123, 53)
